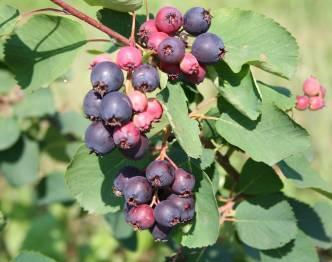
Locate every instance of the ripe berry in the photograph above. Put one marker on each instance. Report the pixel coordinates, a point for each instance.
(198, 78)
(197, 20)
(123, 177)
(141, 217)
(155, 39)
(169, 20)
(171, 50)
(137, 191)
(145, 78)
(189, 64)
(160, 173)
(186, 205)
(99, 59)
(138, 101)
(311, 86)
(316, 103)
(208, 48)
(137, 152)
(167, 214)
(126, 136)
(91, 105)
(147, 28)
(99, 139)
(106, 77)
(173, 70)
(302, 102)
(143, 121)
(184, 182)
(154, 109)
(128, 58)
(116, 109)
(160, 233)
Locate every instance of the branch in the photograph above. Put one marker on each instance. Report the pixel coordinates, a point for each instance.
(224, 162)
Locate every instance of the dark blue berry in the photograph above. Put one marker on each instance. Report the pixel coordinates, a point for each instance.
(106, 77)
(208, 48)
(137, 191)
(160, 173)
(91, 105)
(123, 177)
(99, 139)
(197, 20)
(141, 217)
(167, 214)
(171, 50)
(137, 152)
(186, 205)
(184, 182)
(160, 233)
(145, 78)
(116, 109)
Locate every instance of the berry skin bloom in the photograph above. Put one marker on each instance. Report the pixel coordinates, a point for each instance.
(160, 173)
(91, 105)
(169, 20)
(302, 102)
(311, 87)
(145, 78)
(137, 191)
(171, 50)
(186, 205)
(129, 58)
(167, 214)
(184, 182)
(123, 177)
(197, 20)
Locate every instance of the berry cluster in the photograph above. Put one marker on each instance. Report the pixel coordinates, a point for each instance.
(164, 36)
(157, 199)
(313, 97)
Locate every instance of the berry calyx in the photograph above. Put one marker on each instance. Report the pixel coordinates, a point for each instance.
(189, 64)
(171, 50)
(167, 214)
(311, 87)
(160, 173)
(316, 103)
(302, 102)
(146, 29)
(137, 191)
(141, 217)
(137, 152)
(126, 136)
(155, 39)
(169, 20)
(145, 78)
(138, 100)
(91, 105)
(197, 20)
(129, 58)
(123, 177)
(184, 182)
(186, 205)
(154, 109)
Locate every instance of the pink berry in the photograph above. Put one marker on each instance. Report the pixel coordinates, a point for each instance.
(154, 109)
(147, 28)
(316, 103)
(197, 78)
(322, 91)
(143, 121)
(169, 20)
(138, 101)
(155, 39)
(128, 58)
(126, 136)
(302, 102)
(189, 64)
(99, 59)
(311, 86)
(173, 70)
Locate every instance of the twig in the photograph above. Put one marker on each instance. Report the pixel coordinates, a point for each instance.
(133, 27)
(224, 162)
(229, 152)
(147, 10)
(99, 40)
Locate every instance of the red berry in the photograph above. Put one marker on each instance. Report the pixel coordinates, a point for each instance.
(143, 121)
(99, 59)
(311, 86)
(169, 20)
(126, 136)
(322, 91)
(154, 109)
(155, 39)
(189, 64)
(128, 58)
(316, 103)
(146, 29)
(138, 101)
(197, 78)
(141, 217)
(302, 102)
(173, 70)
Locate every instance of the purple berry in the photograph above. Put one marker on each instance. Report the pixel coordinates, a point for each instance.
(137, 152)
(197, 20)
(123, 177)
(171, 50)
(184, 182)
(91, 105)
(106, 77)
(141, 217)
(155, 39)
(208, 48)
(116, 109)
(137, 191)
(172, 70)
(99, 139)
(126, 136)
(145, 78)
(167, 214)
(160, 173)
(186, 205)
(160, 233)
(169, 20)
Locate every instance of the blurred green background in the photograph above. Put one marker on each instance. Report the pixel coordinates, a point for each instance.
(89, 238)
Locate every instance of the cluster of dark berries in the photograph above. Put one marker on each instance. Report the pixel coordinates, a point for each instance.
(157, 199)
(164, 35)
(313, 97)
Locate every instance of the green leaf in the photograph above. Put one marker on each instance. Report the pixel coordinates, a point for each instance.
(255, 39)
(2, 221)
(118, 5)
(36, 104)
(43, 49)
(186, 130)
(205, 229)
(265, 222)
(120, 228)
(32, 256)
(9, 132)
(8, 19)
(273, 130)
(7, 79)
(90, 179)
(73, 123)
(207, 158)
(258, 178)
(239, 90)
(118, 21)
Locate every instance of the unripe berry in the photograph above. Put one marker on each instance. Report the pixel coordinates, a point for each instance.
(137, 191)
(173, 70)
(123, 177)
(316, 103)
(184, 183)
(141, 217)
(198, 78)
(138, 100)
(197, 20)
(137, 152)
(322, 91)
(145, 78)
(99, 59)
(91, 105)
(160, 173)
(154, 109)
(169, 20)
(311, 86)
(128, 58)
(171, 50)
(126, 136)
(302, 102)
(189, 64)
(167, 214)
(143, 121)
(155, 39)
(147, 28)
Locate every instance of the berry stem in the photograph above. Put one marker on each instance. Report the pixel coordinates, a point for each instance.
(147, 10)
(133, 27)
(171, 161)
(164, 147)
(224, 162)
(155, 200)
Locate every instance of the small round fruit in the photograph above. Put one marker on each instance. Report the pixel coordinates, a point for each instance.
(129, 58)
(197, 20)
(208, 48)
(143, 121)
(106, 77)
(126, 136)
(167, 214)
(99, 59)
(160, 173)
(123, 177)
(316, 103)
(155, 39)
(184, 182)
(198, 78)
(186, 205)
(171, 50)
(311, 87)
(145, 78)
(189, 64)
(302, 102)
(172, 70)
(99, 139)
(116, 109)
(91, 105)
(137, 191)
(160, 233)
(154, 109)
(169, 20)
(322, 91)
(137, 152)
(141, 217)
(138, 100)
(146, 29)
